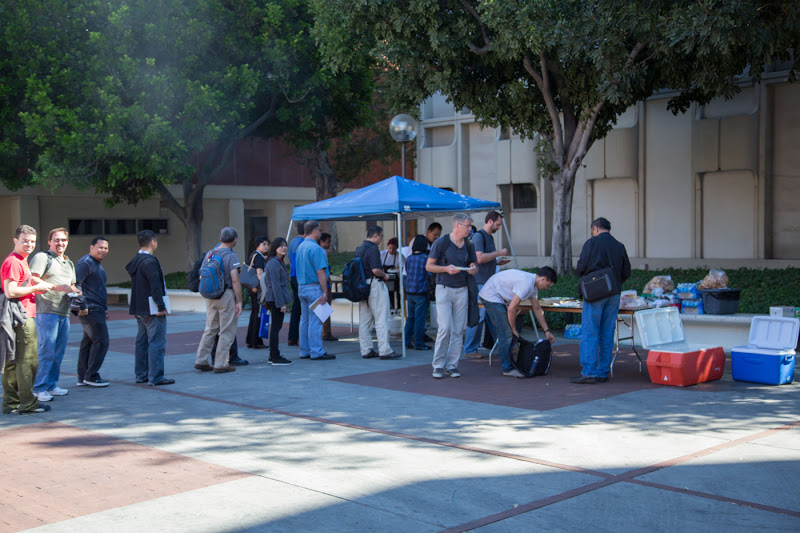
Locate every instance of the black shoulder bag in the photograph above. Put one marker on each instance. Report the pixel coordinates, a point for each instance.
(599, 284)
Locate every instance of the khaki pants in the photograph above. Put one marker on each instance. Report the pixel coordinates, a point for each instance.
(374, 310)
(18, 376)
(220, 319)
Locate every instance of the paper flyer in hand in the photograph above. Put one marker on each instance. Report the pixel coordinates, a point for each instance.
(322, 310)
(154, 305)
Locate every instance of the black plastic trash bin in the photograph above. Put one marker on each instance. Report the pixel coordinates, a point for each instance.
(721, 301)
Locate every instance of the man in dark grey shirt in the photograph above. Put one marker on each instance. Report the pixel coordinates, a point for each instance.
(452, 259)
(488, 261)
(374, 310)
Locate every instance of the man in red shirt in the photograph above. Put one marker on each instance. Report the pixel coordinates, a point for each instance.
(18, 284)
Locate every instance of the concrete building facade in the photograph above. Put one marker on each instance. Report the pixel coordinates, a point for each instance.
(716, 186)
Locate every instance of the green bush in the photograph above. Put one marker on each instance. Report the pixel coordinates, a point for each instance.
(760, 288)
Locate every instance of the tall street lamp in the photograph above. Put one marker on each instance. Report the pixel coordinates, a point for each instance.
(403, 129)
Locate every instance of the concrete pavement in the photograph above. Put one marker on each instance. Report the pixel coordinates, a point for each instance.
(370, 445)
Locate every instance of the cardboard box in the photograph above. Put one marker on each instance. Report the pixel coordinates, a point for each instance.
(783, 311)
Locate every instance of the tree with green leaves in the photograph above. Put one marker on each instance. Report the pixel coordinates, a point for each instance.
(129, 97)
(561, 72)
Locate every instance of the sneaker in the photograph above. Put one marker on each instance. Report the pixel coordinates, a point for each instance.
(58, 391)
(279, 360)
(44, 396)
(514, 373)
(372, 354)
(80, 383)
(438, 373)
(475, 355)
(238, 361)
(40, 409)
(454, 373)
(97, 382)
(391, 355)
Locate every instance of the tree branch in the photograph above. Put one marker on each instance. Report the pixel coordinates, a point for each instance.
(543, 83)
(171, 202)
(486, 41)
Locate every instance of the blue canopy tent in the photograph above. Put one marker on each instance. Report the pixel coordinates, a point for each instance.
(396, 199)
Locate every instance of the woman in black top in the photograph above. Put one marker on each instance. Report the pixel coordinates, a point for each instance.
(258, 261)
(276, 296)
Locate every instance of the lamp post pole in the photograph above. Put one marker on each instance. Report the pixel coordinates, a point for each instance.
(403, 128)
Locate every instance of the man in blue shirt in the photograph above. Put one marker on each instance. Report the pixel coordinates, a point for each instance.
(91, 279)
(294, 321)
(311, 264)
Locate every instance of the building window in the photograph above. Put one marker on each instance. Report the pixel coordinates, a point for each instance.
(523, 196)
(117, 226)
(85, 226)
(156, 225)
(120, 226)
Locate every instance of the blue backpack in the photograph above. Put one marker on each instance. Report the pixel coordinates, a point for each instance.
(354, 282)
(212, 275)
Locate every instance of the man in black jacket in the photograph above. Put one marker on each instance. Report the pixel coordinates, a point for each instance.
(149, 305)
(599, 318)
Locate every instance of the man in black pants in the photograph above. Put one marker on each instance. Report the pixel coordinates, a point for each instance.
(91, 279)
(294, 321)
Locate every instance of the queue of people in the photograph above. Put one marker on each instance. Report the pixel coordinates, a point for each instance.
(39, 292)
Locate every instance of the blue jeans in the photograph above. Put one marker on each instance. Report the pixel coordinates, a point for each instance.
(472, 338)
(597, 336)
(497, 318)
(415, 323)
(310, 324)
(52, 331)
(151, 343)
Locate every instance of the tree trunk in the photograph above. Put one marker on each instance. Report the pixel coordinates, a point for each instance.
(561, 244)
(191, 214)
(327, 186)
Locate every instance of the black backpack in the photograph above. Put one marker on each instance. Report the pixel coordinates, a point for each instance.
(193, 276)
(531, 359)
(354, 282)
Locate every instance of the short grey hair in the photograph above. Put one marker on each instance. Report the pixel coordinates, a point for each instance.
(228, 235)
(461, 218)
(310, 226)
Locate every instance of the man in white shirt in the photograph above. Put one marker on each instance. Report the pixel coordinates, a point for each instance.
(501, 296)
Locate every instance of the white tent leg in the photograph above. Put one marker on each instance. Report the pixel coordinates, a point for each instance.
(400, 280)
(289, 231)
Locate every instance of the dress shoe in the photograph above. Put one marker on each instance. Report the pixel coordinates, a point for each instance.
(163, 381)
(224, 369)
(238, 362)
(602, 380)
(372, 353)
(293, 343)
(204, 368)
(391, 355)
(330, 338)
(324, 357)
(584, 380)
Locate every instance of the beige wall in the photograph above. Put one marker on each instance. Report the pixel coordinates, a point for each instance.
(718, 183)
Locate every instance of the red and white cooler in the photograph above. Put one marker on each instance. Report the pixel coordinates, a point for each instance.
(769, 357)
(671, 360)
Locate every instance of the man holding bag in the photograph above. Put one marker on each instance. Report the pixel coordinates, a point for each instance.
(599, 316)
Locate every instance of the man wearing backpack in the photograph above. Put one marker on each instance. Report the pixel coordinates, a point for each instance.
(452, 259)
(487, 256)
(52, 313)
(220, 275)
(375, 309)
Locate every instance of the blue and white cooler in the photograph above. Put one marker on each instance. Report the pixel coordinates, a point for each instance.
(770, 355)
